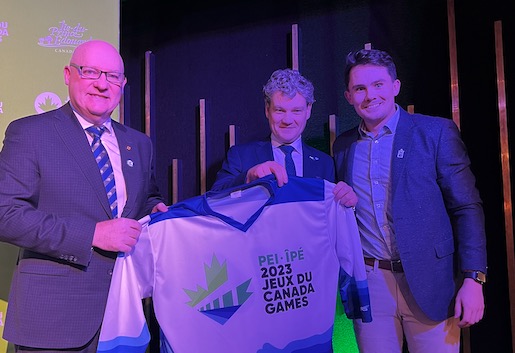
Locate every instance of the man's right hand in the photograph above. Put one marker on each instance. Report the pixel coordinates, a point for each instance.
(345, 194)
(267, 168)
(119, 234)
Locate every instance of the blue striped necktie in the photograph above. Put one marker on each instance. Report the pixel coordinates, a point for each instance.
(104, 164)
(288, 160)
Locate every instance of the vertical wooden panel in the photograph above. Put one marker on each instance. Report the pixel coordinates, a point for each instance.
(148, 113)
(295, 46)
(505, 162)
(202, 145)
(455, 111)
(148, 306)
(121, 109)
(453, 57)
(232, 135)
(332, 132)
(176, 186)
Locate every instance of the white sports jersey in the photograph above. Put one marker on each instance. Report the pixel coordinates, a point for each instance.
(245, 270)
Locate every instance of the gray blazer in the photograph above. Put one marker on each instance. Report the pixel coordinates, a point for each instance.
(437, 212)
(51, 197)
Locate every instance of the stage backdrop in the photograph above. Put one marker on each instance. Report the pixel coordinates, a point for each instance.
(36, 42)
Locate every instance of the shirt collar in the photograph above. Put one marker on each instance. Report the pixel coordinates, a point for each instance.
(297, 144)
(85, 124)
(389, 127)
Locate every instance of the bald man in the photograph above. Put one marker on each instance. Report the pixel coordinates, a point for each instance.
(55, 207)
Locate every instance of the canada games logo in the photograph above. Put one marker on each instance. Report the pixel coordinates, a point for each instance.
(219, 307)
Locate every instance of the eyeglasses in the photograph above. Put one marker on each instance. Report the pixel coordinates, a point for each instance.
(91, 73)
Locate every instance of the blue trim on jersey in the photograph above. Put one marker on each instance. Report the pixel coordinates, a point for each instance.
(315, 344)
(164, 345)
(123, 344)
(355, 297)
(295, 190)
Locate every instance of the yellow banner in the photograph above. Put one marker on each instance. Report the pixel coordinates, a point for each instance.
(3, 309)
(36, 42)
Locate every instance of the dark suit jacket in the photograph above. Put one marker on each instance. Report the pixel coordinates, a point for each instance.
(51, 197)
(437, 211)
(240, 158)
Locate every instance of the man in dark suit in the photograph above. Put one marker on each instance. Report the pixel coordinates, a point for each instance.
(419, 214)
(289, 97)
(54, 206)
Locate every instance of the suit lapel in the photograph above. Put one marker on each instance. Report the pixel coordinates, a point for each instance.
(401, 146)
(349, 159)
(264, 152)
(310, 161)
(74, 139)
(345, 157)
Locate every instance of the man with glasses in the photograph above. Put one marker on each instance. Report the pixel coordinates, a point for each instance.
(72, 184)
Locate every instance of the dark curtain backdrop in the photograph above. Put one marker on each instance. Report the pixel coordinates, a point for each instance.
(224, 52)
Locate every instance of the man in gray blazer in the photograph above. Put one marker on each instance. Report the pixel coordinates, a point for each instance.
(54, 206)
(289, 97)
(419, 214)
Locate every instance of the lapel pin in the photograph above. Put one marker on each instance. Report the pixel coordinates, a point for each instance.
(400, 153)
(315, 158)
(130, 163)
(128, 148)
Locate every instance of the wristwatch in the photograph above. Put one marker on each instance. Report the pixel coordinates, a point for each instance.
(477, 276)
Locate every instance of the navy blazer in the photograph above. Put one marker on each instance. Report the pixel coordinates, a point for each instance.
(51, 197)
(437, 212)
(240, 158)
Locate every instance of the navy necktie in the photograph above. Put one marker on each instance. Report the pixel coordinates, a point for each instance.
(104, 165)
(288, 160)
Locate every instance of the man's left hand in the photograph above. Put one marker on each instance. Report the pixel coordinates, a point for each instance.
(345, 194)
(160, 207)
(470, 303)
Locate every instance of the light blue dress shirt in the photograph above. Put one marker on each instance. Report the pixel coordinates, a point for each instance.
(372, 185)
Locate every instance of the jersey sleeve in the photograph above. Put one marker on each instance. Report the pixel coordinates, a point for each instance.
(353, 285)
(124, 327)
